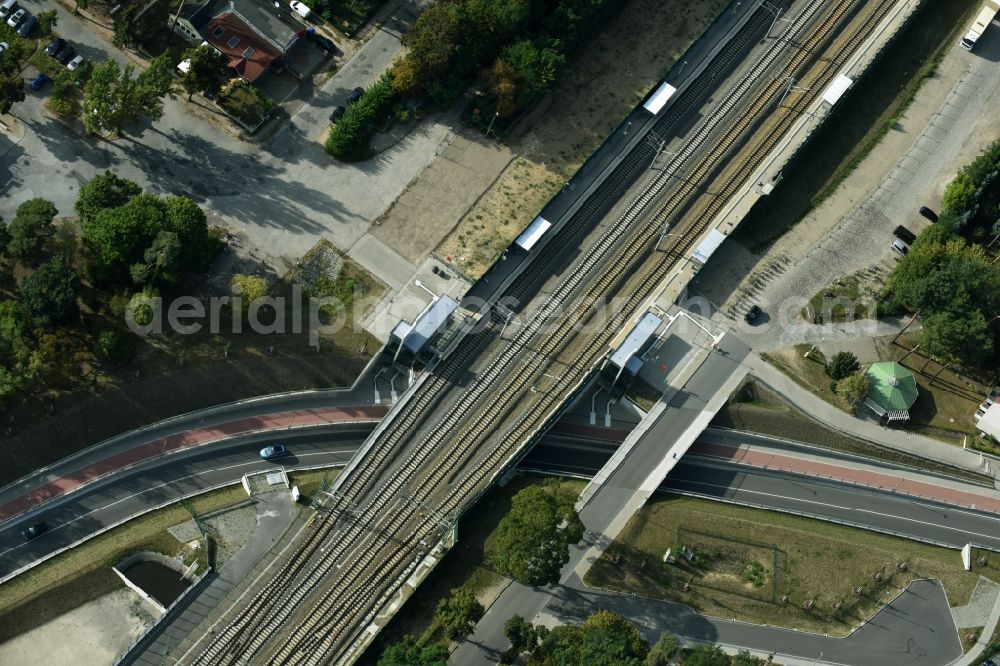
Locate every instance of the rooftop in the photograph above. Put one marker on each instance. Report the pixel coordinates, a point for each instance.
(244, 49)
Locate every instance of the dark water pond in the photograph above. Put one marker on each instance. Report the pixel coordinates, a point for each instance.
(160, 582)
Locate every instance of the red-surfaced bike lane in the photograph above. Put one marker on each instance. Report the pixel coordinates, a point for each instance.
(192, 438)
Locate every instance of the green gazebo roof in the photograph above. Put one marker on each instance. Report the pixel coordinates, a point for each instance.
(892, 387)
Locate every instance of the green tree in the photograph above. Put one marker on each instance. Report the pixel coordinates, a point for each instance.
(432, 42)
(126, 28)
(152, 85)
(349, 137)
(103, 191)
(958, 194)
(11, 91)
(842, 365)
(15, 352)
(49, 293)
(604, 639)
(204, 74)
(744, 658)
(30, 230)
(160, 261)
(140, 307)
(853, 388)
(46, 20)
(118, 237)
(409, 653)
(535, 69)
(532, 541)
(4, 237)
(186, 219)
(663, 650)
(458, 613)
(707, 655)
(965, 337)
(521, 634)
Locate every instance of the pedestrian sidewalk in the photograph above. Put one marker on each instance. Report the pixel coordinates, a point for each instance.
(817, 408)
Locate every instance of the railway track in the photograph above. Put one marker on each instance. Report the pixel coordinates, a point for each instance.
(383, 557)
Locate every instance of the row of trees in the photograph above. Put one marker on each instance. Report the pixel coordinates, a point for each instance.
(350, 136)
(522, 44)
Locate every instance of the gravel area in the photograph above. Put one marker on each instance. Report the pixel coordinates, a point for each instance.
(231, 529)
(94, 633)
(948, 124)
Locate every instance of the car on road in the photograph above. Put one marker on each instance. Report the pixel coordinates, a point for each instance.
(300, 9)
(67, 54)
(324, 43)
(928, 213)
(74, 63)
(37, 82)
(752, 314)
(55, 46)
(273, 451)
(29, 24)
(904, 234)
(18, 16)
(337, 114)
(34, 531)
(355, 95)
(900, 247)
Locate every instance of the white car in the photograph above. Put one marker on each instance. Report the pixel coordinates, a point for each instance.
(74, 63)
(300, 8)
(4, 46)
(16, 18)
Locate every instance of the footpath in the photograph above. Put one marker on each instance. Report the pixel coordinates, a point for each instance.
(900, 440)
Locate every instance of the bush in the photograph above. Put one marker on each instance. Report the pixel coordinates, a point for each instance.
(116, 347)
(45, 21)
(842, 365)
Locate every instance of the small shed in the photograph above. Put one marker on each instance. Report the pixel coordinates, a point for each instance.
(892, 390)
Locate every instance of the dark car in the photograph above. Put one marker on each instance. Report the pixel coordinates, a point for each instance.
(55, 46)
(355, 95)
(324, 43)
(273, 451)
(36, 530)
(904, 234)
(337, 114)
(37, 82)
(29, 24)
(928, 213)
(752, 314)
(65, 55)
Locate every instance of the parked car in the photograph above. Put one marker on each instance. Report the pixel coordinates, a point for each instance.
(4, 46)
(752, 314)
(67, 54)
(74, 63)
(273, 451)
(300, 9)
(55, 46)
(36, 530)
(7, 7)
(900, 246)
(904, 234)
(37, 82)
(928, 213)
(18, 16)
(337, 114)
(29, 24)
(324, 43)
(355, 95)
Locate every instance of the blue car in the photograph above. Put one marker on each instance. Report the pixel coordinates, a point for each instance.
(273, 451)
(37, 82)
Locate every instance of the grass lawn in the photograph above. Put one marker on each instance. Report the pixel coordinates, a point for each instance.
(310, 482)
(642, 394)
(808, 372)
(80, 575)
(870, 110)
(465, 565)
(346, 15)
(837, 303)
(755, 408)
(746, 560)
(246, 104)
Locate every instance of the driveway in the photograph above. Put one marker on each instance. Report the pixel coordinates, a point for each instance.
(285, 195)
